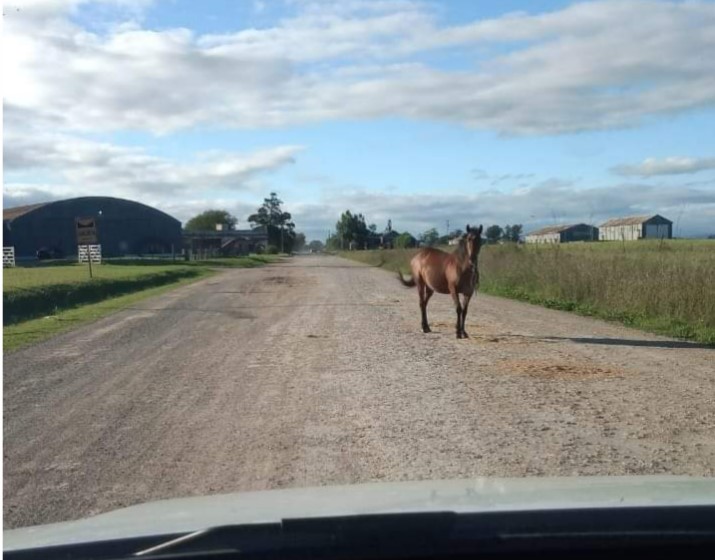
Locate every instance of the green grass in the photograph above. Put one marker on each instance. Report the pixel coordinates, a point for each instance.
(36, 330)
(664, 287)
(39, 301)
(23, 278)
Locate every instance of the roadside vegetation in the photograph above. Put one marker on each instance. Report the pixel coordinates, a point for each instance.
(42, 300)
(667, 287)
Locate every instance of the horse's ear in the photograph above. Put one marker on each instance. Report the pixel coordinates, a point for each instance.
(481, 227)
(468, 228)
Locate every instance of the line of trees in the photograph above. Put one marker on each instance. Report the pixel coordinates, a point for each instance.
(351, 230)
(496, 233)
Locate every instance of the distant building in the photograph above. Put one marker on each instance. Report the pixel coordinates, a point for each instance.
(225, 242)
(124, 227)
(563, 234)
(636, 227)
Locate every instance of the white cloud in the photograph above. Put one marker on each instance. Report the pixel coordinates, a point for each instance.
(651, 167)
(593, 65)
(585, 67)
(95, 167)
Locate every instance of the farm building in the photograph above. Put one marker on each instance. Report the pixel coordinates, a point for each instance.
(563, 234)
(226, 242)
(636, 227)
(124, 227)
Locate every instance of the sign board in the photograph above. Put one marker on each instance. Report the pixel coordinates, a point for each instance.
(8, 257)
(86, 231)
(95, 253)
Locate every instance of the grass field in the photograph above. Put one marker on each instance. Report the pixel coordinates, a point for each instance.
(40, 301)
(24, 278)
(666, 287)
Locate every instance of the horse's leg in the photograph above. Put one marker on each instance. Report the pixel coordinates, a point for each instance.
(428, 294)
(458, 307)
(424, 298)
(465, 306)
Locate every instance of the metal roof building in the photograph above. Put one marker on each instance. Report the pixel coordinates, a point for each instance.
(124, 227)
(226, 242)
(636, 227)
(563, 234)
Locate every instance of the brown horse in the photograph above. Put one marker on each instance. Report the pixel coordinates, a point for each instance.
(457, 273)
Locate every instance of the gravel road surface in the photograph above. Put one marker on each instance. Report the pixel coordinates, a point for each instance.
(314, 371)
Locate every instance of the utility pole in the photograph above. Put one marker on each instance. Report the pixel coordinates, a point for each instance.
(447, 227)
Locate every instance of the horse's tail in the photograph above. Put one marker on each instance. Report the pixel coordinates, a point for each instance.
(409, 283)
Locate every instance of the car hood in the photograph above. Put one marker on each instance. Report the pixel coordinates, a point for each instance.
(475, 495)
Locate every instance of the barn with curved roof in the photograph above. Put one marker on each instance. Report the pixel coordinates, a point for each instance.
(124, 227)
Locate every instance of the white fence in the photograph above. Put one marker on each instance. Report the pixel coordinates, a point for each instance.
(8, 256)
(95, 252)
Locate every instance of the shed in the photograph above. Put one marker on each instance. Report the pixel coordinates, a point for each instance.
(636, 227)
(124, 227)
(563, 234)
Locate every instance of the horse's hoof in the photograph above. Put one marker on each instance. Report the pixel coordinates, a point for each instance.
(459, 335)
(464, 335)
(426, 330)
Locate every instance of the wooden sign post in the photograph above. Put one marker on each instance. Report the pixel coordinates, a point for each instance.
(87, 235)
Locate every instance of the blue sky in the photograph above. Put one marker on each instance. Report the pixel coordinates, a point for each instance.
(419, 112)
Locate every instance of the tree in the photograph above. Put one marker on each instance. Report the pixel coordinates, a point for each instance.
(333, 243)
(513, 233)
(207, 220)
(404, 240)
(430, 237)
(299, 242)
(494, 233)
(278, 223)
(351, 228)
(372, 228)
(270, 213)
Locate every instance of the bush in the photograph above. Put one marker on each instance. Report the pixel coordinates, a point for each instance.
(272, 250)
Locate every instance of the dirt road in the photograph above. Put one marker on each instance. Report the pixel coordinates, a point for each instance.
(314, 372)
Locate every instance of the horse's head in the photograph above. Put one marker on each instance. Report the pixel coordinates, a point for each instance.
(473, 241)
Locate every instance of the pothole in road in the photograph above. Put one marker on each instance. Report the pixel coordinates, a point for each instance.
(290, 281)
